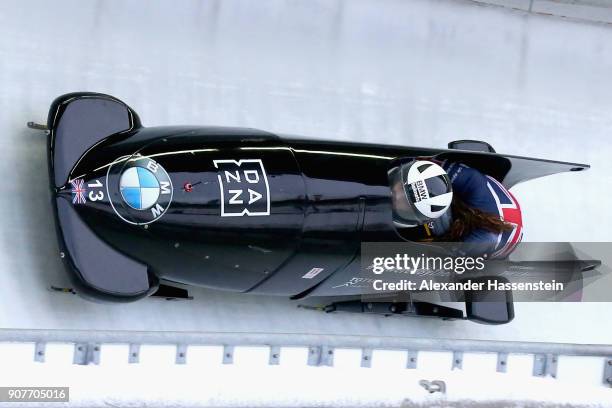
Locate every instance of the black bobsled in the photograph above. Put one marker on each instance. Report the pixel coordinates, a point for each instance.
(140, 210)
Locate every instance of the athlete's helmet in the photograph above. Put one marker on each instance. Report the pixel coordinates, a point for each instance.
(422, 192)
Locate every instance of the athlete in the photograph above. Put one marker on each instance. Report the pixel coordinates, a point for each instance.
(453, 202)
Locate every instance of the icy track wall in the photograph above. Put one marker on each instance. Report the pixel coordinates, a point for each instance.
(584, 10)
(407, 72)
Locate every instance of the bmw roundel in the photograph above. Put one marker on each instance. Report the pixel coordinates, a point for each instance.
(145, 191)
(139, 188)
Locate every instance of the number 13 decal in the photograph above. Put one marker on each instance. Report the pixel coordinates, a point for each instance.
(95, 193)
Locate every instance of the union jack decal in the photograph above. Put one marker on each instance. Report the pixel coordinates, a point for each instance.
(78, 192)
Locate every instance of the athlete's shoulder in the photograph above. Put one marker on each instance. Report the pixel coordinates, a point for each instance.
(469, 184)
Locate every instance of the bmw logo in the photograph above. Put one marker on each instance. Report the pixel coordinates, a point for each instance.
(139, 188)
(145, 191)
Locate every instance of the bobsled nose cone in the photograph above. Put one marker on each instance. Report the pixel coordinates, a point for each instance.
(64, 191)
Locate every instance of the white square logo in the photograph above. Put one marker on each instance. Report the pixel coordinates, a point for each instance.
(244, 189)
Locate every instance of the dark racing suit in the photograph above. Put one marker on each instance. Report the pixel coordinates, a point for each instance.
(488, 195)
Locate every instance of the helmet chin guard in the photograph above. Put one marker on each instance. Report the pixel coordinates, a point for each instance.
(421, 191)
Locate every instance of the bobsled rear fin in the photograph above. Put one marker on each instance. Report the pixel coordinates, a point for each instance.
(97, 270)
(524, 168)
(77, 122)
(510, 170)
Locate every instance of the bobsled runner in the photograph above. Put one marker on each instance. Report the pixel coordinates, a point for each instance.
(146, 211)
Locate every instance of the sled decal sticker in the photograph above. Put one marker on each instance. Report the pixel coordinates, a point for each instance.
(78, 192)
(312, 273)
(145, 192)
(244, 188)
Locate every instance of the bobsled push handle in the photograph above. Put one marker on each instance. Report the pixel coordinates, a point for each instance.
(471, 145)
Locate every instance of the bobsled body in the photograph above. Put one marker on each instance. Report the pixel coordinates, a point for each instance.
(227, 208)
